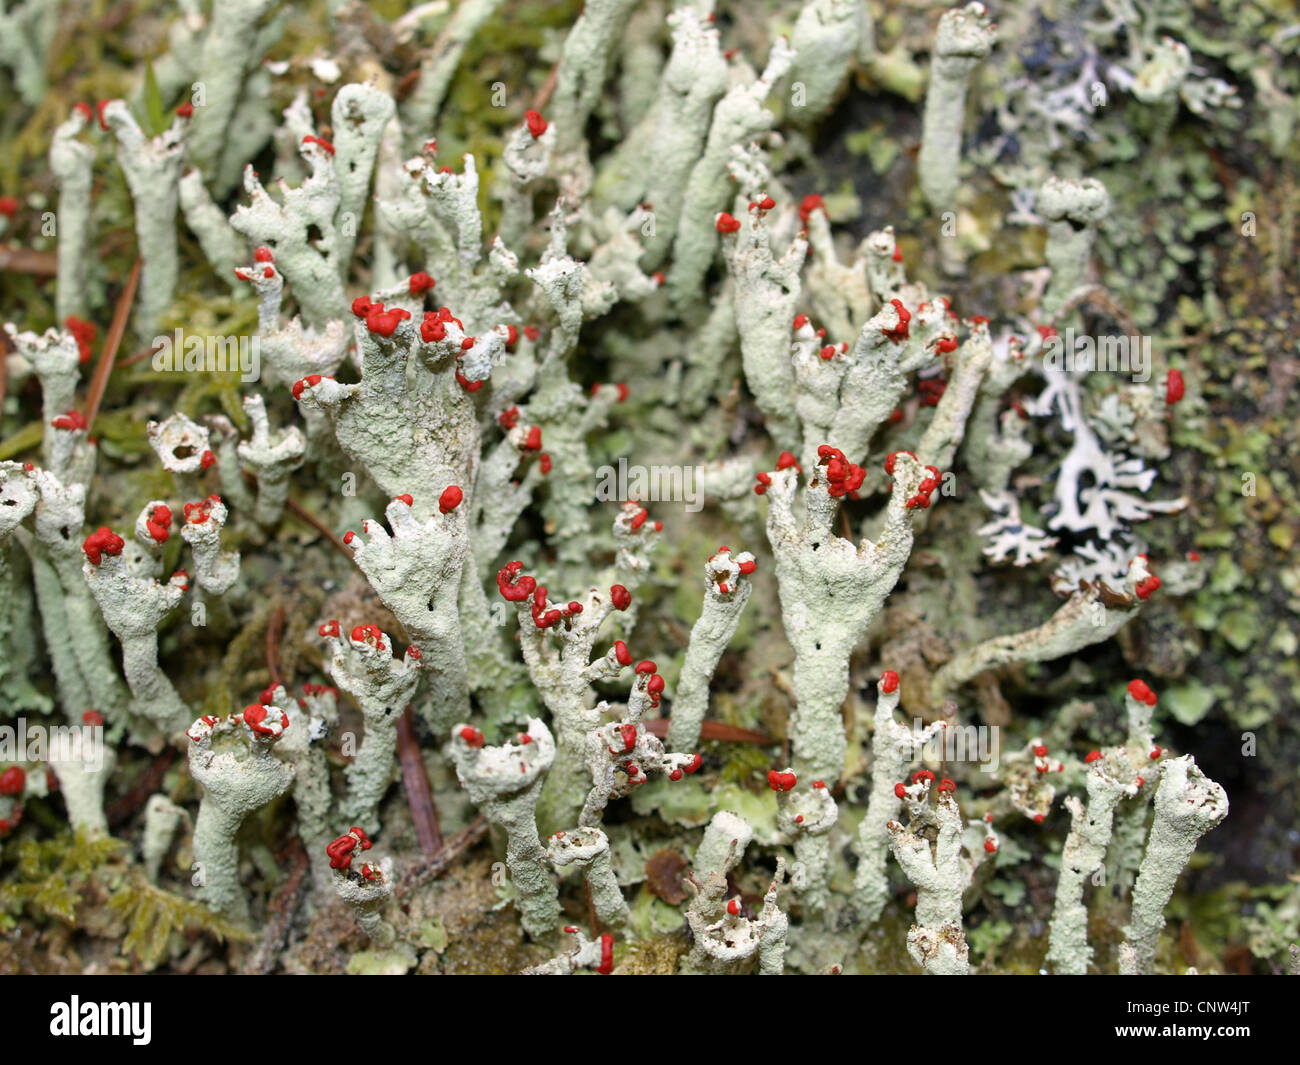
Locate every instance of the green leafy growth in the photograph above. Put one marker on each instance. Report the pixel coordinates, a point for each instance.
(155, 113)
(50, 874)
(152, 915)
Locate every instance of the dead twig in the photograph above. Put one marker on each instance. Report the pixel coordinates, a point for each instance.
(139, 356)
(104, 367)
(543, 96)
(458, 845)
(281, 914)
(715, 730)
(28, 261)
(274, 630)
(151, 782)
(418, 794)
(303, 514)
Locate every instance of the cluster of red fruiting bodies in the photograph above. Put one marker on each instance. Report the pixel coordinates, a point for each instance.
(341, 851)
(516, 586)
(746, 568)
(927, 486)
(889, 681)
(1149, 584)
(784, 782)
(844, 478)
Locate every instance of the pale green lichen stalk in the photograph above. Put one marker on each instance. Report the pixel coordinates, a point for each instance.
(234, 761)
(1188, 804)
(965, 36)
(505, 782)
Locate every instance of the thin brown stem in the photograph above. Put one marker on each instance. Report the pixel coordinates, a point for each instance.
(419, 796)
(104, 367)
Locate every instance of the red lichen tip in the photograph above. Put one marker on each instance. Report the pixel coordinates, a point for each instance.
(1146, 586)
(990, 846)
(259, 719)
(368, 634)
(103, 541)
(888, 681)
(420, 282)
(13, 780)
(811, 202)
(330, 628)
(159, 522)
(647, 666)
(340, 850)
(1140, 691)
(1174, 387)
(947, 785)
(513, 587)
(622, 654)
(320, 142)
(73, 421)
(472, 736)
(535, 122)
(781, 782)
(1091, 757)
(900, 790)
(620, 597)
(450, 499)
(385, 322)
(899, 332)
(892, 458)
(84, 334)
(726, 223)
(406, 498)
(310, 381)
